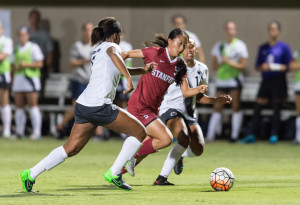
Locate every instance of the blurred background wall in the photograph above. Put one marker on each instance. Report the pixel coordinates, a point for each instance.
(141, 23)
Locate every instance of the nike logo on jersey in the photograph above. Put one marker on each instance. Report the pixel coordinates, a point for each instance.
(163, 76)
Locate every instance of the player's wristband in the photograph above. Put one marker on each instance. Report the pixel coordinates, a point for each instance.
(275, 66)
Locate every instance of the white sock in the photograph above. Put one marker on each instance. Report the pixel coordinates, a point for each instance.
(36, 120)
(53, 159)
(214, 122)
(6, 119)
(298, 129)
(188, 153)
(172, 158)
(236, 123)
(20, 119)
(130, 147)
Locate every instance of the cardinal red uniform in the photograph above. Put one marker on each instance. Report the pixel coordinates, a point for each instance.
(146, 99)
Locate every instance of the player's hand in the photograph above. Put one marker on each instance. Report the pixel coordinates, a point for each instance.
(224, 99)
(17, 68)
(149, 67)
(226, 60)
(129, 85)
(265, 67)
(202, 89)
(22, 64)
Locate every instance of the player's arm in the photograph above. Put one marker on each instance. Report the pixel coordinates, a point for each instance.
(132, 54)
(240, 65)
(294, 65)
(35, 64)
(222, 99)
(78, 62)
(215, 64)
(143, 70)
(3, 56)
(190, 92)
(272, 67)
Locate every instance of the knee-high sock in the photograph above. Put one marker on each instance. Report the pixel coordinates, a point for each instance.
(36, 120)
(214, 121)
(20, 119)
(236, 123)
(146, 149)
(129, 149)
(298, 129)
(53, 159)
(276, 121)
(172, 158)
(6, 119)
(256, 120)
(188, 153)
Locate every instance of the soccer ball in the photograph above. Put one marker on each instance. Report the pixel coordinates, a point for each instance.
(221, 179)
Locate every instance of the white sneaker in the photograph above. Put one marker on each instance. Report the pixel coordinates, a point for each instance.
(129, 166)
(35, 137)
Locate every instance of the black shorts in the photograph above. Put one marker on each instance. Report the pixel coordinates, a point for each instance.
(98, 116)
(4, 84)
(273, 88)
(173, 113)
(227, 90)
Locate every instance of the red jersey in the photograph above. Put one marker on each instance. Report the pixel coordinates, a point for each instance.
(153, 86)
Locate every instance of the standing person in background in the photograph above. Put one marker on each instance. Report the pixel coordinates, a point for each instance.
(6, 49)
(80, 62)
(229, 60)
(28, 62)
(295, 66)
(272, 61)
(42, 38)
(180, 21)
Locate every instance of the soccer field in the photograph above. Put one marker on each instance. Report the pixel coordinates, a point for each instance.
(264, 174)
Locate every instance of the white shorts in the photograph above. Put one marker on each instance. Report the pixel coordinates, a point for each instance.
(23, 84)
(297, 87)
(230, 83)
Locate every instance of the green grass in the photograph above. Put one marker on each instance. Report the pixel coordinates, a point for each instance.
(264, 174)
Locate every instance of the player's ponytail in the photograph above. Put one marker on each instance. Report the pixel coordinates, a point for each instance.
(106, 27)
(181, 70)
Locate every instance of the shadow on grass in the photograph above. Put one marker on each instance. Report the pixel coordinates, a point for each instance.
(23, 194)
(89, 188)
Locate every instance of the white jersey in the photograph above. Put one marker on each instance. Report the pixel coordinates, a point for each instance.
(198, 75)
(7, 45)
(104, 78)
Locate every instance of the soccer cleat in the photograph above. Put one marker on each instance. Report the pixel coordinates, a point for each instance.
(162, 181)
(129, 166)
(117, 181)
(27, 181)
(178, 168)
(250, 139)
(273, 139)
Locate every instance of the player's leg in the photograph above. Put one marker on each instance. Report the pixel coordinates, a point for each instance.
(32, 99)
(5, 112)
(297, 104)
(237, 115)
(20, 116)
(180, 131)
(215, 121)
(129, 125)
(80, 135)
(276, 121)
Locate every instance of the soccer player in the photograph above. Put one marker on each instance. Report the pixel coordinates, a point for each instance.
(179, 114)
(229, 60)
(180, 21)
(295, 66)
(272, 61)
(94, 107)
(6, 50)
(28, 62)
(146, 99)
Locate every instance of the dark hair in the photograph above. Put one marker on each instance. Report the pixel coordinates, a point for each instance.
(277, 23)
(35, 12)
(161, 41)
(106, 27)
(178, 16)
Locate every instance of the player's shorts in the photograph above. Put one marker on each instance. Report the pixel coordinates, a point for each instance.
(76, 89)
(234, 84)
(98, 116)
(273, 88)
(173, 113)
(119, 91)
(5, 81)
(22, 83)
(144, 115)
